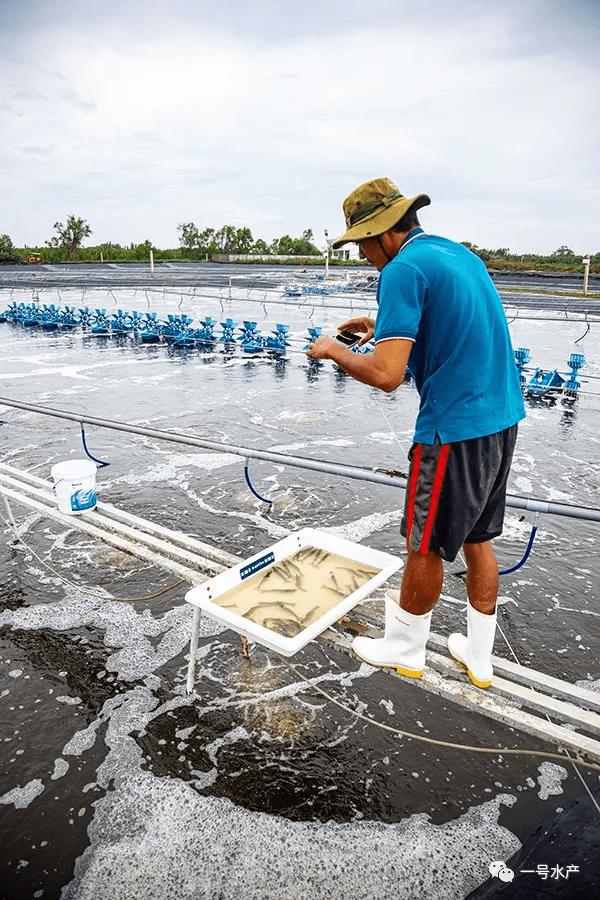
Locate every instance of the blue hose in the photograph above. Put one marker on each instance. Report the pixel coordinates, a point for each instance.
(526, 554)
(99, 461)
(249, 483)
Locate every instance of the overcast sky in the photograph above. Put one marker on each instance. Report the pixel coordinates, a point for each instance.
(138, 116)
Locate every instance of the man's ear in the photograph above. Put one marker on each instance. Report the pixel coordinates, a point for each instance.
(392, 241)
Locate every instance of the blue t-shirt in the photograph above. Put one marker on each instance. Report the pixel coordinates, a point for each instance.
(438, 294)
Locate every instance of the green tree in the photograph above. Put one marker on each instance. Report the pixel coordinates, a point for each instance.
(208, 241)
(563, 251)
(289, 246)
(111, 251)
(142, 251)
(189, 237)
(70, 236)
(243, 242)
(282, 246)
(230, 239)
(224, 238)
(8, 253)
(481, 252)
(261, 247)
(306, 245)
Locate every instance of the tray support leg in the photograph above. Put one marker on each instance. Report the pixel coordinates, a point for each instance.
(191, 675)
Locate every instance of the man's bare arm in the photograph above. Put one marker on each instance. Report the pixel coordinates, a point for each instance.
(384, 368)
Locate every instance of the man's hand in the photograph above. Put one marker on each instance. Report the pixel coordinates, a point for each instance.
(319, 349)
(384, 368)
(360, 324)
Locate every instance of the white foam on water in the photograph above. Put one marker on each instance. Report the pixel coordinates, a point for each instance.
(271, 528)
(383, 437)
(61, 767)
(517, 529)
(317, 442)
(550, 778)
(302, 415)
(82, 740)
(361, 528)
(524, 484)
(156, 838)
(168, 471)
(21, 797)
(523, 462)
(124, 628)
(590, 685)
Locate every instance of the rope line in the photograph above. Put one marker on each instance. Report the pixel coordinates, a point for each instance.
(418, 737)
(83, 590)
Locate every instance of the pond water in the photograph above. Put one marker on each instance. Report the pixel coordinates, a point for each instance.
(115, 783)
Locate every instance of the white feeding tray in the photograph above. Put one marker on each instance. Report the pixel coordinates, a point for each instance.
(285, 596)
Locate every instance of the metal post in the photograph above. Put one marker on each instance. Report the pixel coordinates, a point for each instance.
(152, 263)
(191, 675)
(586, 274)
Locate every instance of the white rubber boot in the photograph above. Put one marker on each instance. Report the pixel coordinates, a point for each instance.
(475, 650)
(403, 646)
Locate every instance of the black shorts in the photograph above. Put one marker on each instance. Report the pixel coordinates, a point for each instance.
(456, 492)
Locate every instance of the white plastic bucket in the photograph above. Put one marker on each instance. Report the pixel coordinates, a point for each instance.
(75, 485)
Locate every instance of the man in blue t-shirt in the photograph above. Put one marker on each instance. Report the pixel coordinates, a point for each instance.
(440, 316)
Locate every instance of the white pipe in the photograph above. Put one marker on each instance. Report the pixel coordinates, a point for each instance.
(136, 548)
(344, 471)
(165, 547)
(116, 515)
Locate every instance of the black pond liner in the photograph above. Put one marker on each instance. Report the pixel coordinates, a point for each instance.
(569, 838)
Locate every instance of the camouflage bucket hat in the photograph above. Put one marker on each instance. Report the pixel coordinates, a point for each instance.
(375, 207)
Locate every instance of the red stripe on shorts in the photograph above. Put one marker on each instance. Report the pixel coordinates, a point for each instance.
(412, 489)
(436, 490)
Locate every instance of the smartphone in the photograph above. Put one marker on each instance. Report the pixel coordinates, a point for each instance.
(348, 338)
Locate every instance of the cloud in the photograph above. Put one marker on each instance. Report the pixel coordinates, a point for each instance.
(164, 113)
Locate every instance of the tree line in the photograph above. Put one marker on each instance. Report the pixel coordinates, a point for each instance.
(562, 259)
(228, 239)
(67, 244)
